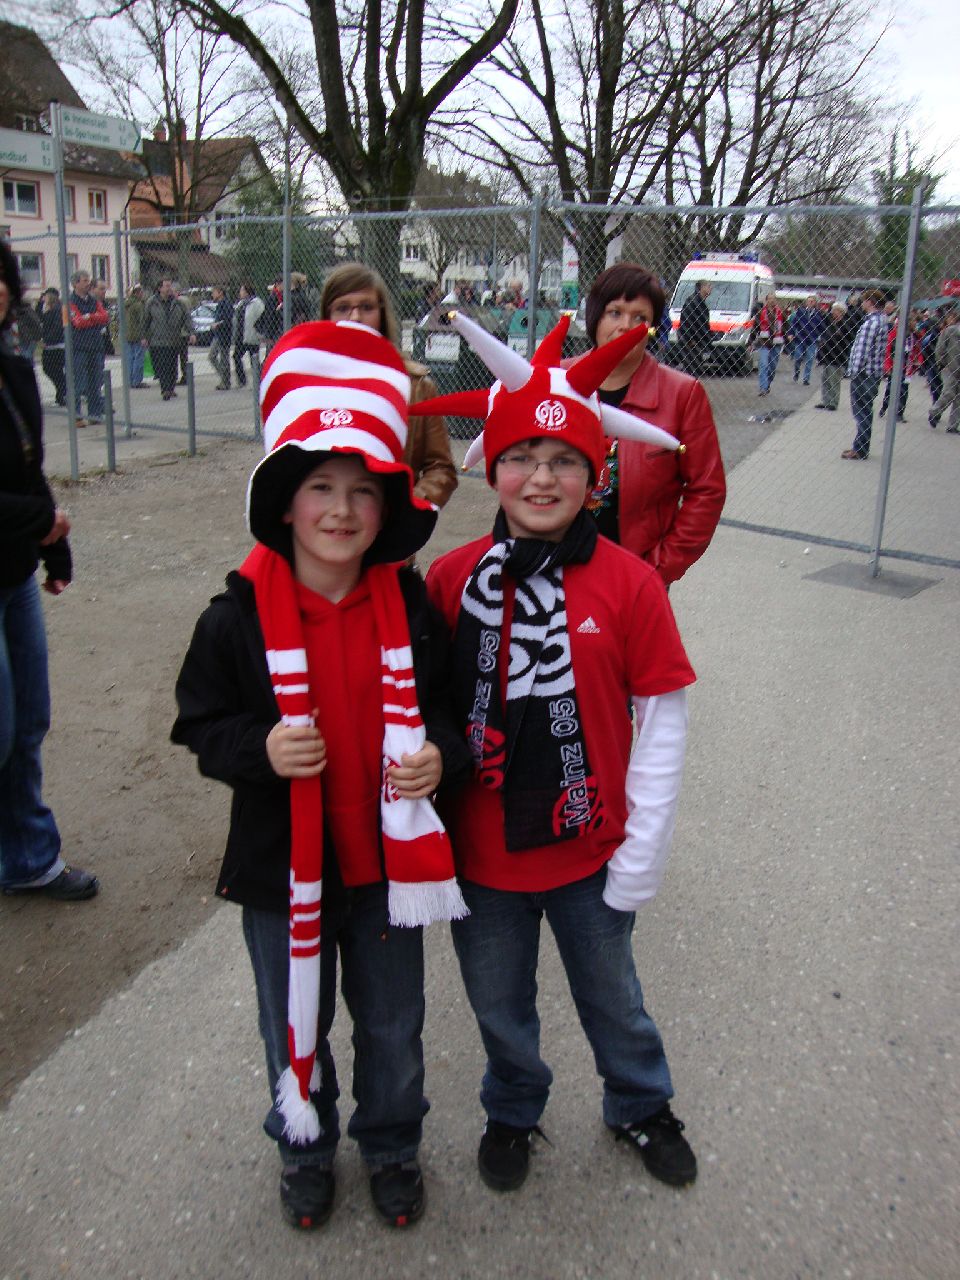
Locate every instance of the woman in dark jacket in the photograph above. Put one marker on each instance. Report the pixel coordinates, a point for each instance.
(51, 321)
(32, 528)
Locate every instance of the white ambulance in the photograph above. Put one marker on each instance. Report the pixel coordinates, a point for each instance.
(739, 281)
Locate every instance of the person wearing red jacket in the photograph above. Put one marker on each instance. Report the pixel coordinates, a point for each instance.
(912, 364)
(88, 319)
(662, 506)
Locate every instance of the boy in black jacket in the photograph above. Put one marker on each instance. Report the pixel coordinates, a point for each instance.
(302, 690)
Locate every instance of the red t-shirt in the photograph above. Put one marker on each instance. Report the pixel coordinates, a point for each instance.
(343, 658)
(624, 643)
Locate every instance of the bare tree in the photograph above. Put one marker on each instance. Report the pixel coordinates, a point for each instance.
(384, 72)
(690, 102)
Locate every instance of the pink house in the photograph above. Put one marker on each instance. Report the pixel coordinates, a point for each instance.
(98, 182)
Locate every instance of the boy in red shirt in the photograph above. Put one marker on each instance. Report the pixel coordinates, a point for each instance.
(555, 630)
(302, 690)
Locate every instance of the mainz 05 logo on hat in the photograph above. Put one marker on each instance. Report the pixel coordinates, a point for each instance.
(551, 414)
(336, 417)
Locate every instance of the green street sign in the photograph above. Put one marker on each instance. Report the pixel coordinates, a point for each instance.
(19, 150)
(91, 130)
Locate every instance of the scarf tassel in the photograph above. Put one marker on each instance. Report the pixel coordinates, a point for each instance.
(301, 1124)
(409, 905)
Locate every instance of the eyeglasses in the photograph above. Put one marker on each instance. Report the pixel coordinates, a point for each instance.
(344, 310)
(526, 464)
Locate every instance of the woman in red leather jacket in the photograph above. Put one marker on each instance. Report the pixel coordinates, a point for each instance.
(663, 506)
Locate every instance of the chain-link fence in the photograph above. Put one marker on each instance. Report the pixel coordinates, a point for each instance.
(785, 305)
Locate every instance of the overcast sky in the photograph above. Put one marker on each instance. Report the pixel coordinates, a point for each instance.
(922, 61)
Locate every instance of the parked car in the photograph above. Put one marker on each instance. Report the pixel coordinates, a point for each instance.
(202, 316)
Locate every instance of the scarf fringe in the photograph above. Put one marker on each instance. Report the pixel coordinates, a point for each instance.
(410, 905)
(301, 1124)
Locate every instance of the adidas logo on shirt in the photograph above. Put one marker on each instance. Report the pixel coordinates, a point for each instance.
(588, 627)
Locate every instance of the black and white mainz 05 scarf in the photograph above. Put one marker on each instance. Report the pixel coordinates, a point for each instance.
(536, 753)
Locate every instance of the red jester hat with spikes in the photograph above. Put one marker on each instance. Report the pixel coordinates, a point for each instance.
(538, 398)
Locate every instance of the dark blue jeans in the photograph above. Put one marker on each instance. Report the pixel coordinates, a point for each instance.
(804, 354)
(382, 983)
(498, 946)
(29, 839)
(88, 381)
(863, 392)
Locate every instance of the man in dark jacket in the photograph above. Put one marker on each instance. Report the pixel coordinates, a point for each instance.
(32, 528)
(167, 324)
(51, 323)
(694, 334)
(222, 333)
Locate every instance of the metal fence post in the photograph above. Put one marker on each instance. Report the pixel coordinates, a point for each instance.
(533, 290)
(191, 412)
(69, 369)
(255, 383)
(287, 227)
(108, 419)
(906, 289)
(122, 327)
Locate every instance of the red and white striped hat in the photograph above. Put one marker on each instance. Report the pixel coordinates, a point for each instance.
(336, 388)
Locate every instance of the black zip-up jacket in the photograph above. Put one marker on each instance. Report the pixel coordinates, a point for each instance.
(835, 342)
(27, 507)
(227, 709)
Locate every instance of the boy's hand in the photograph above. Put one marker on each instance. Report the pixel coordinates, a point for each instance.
(418, 775)
(296, 751)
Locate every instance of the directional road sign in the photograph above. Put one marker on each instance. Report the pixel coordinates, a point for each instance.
(92, 130)
(19, 150)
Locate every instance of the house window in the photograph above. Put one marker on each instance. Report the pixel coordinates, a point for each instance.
(97, 203)
(70, 204)
(100, 267)
(31, 270)
(28, 124)
(21, 197)
(411, 252)
(223, 227)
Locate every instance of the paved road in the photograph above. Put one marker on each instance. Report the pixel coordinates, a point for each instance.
(800, 960)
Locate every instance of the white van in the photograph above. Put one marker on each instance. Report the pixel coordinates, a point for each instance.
(739, 282)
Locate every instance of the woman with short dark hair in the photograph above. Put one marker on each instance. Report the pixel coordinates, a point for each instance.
(662, 505)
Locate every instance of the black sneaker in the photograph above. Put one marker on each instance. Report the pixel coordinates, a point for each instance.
(306, 1195)
(663, 1148)
(72, 885)
(504, 1155)
(398, 1193)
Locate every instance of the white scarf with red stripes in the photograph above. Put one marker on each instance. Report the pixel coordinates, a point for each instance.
(422, 886)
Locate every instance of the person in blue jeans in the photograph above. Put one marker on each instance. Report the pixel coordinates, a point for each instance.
(565, 818)
(806, 326)
(865, 369)
(302, 690)
(768, 336)
(32, 529)
(88, 320)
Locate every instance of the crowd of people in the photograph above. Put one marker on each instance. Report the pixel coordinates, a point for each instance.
(856, 339)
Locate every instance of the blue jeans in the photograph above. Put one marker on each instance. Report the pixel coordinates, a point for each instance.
(135, 358)
(768, 357)
(382, 983)
(29, 839)
(863, 392)
(498, 946)
(804, 353)
(88, 381)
